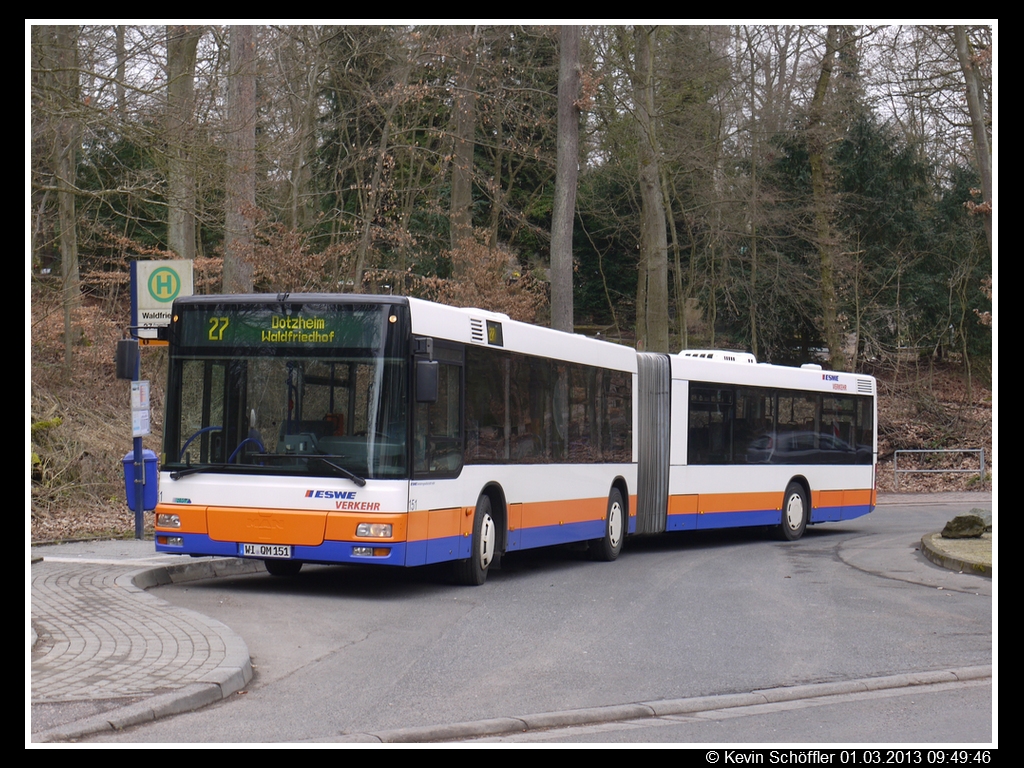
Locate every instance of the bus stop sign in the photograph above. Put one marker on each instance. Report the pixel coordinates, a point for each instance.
(155, 286)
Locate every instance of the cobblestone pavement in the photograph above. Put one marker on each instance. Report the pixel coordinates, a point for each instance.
(106, 653)
(133, 643)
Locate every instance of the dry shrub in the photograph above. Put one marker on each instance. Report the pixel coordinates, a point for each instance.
(931, 412)
(284, 261)
(80, 420)
(488, 278)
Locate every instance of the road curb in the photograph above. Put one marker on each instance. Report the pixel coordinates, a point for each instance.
(653, 709)
(936, 554)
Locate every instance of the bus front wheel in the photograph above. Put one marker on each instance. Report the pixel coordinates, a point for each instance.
(795, 511)
(608, 547)
(473, 571)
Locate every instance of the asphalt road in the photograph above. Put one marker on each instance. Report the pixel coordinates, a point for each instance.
(338, 650)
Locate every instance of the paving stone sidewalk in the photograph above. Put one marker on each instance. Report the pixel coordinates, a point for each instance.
(106, 653)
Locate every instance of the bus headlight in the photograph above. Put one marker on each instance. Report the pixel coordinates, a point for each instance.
(168, 521)
(374, 530)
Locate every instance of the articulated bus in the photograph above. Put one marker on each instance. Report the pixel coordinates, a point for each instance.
(388, 430)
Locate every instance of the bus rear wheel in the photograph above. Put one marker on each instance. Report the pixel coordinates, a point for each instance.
(473, 571)
(283, 567)
(608, 547)
(795, 512)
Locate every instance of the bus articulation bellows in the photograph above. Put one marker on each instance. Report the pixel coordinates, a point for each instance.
(388, 430)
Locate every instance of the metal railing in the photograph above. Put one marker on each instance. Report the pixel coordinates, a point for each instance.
(896, 471)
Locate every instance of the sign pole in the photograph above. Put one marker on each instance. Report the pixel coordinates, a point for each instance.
(140, 466)
(154, 286)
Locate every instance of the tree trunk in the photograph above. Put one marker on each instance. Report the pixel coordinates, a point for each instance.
(653, 280)
(567, 165)
(122, 56)
(753, 253)
(182, 42)
(241, 182)
(59, 70)
(465, 133)
(375, 193)
(298, 205)
(677, 264)
(979, 132)
(817, 142)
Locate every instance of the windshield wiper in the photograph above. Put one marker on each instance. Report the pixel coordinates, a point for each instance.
(350, 475)
(196, 468)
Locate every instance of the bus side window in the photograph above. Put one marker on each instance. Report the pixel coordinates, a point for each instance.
(437, 436)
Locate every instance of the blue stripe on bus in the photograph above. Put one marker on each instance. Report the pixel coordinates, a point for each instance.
(458, 547)
(826, 514)
(714, 520)
(547, 535)
(710, 521)
(197, 544)
(681, 522)
(447, 548)
(856, 510)
(834, 514)
(328, 552)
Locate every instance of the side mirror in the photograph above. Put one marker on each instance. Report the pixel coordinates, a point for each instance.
(126, 358)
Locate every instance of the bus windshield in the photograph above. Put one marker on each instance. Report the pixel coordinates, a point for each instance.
(304, 389)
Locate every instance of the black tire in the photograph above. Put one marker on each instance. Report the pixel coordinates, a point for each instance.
(796, 511)
(472, 572)
(283, 567)
(608, 547)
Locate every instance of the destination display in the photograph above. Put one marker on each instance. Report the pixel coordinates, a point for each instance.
(227, 327)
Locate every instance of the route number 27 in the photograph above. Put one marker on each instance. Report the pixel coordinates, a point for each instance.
(217, 327)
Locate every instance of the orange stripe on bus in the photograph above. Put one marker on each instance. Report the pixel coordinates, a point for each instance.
(711, 503)
(419, 524)
(448, 522)
(821, 499)
(859, 497)
(341, 526)
(515, 517)
(465, 522)
(193, 518)
(540, 513)
(270, 526)
(416, 526)
(682, 505)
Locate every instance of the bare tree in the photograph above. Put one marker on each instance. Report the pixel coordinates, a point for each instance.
(769, 61)
(57, 59)
(299, 61)
(817, 145)
(375, 193)
(652, 290)
(970, 64)
(182, 42)
(241, 181)
(465, 130)
(567, 163)
(121, 58)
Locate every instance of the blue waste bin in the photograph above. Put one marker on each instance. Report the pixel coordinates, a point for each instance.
(149, 495)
